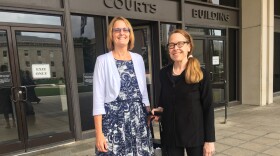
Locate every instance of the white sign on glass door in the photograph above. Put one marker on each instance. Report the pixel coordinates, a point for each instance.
(41, 71)
(215, 60)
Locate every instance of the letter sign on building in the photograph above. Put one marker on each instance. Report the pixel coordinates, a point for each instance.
(214, 16)
(131, 5)
(41, 71)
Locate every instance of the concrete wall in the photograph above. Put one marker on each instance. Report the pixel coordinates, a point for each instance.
(257, 51)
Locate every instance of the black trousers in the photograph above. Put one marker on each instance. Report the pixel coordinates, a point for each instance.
(179, 151)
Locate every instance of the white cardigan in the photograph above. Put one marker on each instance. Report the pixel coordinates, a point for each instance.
(107, 82)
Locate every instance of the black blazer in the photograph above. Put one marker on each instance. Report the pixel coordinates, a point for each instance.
(188, 116)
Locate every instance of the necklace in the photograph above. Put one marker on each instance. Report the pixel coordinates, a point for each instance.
(174, 73)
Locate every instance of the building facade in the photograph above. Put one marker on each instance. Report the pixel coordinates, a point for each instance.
(48, 51)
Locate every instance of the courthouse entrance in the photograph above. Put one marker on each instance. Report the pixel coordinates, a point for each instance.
(33, 91)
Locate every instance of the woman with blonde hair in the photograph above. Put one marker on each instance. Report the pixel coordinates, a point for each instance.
(120, 98)
(185, 101)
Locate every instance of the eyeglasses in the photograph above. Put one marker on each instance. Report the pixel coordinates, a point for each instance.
(179, 44)
(118, 30)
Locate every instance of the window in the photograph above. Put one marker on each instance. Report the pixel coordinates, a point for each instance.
(52, 63)
(51, 54)
(39, 53)
(230, 3)
(40, 43)
(234, 63)
(197, 31)
(25, 18)
(165, 30)
(27, 63)
(53, 74)
(205, 31)
(88, 39)
(25, 52)
(5, 53)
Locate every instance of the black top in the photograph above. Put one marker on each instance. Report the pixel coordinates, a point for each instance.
(188, 116)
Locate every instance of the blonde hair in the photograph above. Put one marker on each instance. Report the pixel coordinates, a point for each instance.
(193, 72)
(110, 44)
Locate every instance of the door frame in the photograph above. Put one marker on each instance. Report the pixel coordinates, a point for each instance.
(223, 84)
(17, 145)
(23, 143)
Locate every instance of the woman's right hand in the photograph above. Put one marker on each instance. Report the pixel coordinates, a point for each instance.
(101, 143)
(159, 109)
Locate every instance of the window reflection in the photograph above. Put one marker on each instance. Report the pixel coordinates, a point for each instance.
(88, 40)
(46, 105)
(36, 46)
(29, 18)
(165, 30)
(198, 51)
(142, 46)
(4, 53)
(8, 119)
(231, 3)
(196, 31)
(205, 31)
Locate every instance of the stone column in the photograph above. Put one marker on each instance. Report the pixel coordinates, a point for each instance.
(257, 29)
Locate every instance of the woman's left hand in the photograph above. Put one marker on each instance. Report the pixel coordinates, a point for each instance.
(208, 149)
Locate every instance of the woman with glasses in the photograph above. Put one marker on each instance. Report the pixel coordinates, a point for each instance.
(185, 101)
(120, 98)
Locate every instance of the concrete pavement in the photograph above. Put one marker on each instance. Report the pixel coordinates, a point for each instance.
(249, 131)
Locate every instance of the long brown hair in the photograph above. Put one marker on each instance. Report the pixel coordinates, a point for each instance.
(110, 44)
(193, 72)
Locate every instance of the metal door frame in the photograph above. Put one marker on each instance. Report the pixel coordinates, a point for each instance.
(23, 142)
(225, 78)
(208, 61)
(17, 145)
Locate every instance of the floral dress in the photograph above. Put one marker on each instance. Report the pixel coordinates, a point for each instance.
(124, 124)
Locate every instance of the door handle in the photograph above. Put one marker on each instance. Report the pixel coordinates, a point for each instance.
(211, 76)
(224, 81)
(20, 92)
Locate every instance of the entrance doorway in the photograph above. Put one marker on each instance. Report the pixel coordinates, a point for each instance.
(211, 53)
(34, 105)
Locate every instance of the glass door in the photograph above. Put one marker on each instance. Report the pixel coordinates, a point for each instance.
(216, 51)
(211, 54)
(10, 135)
(38, 90)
